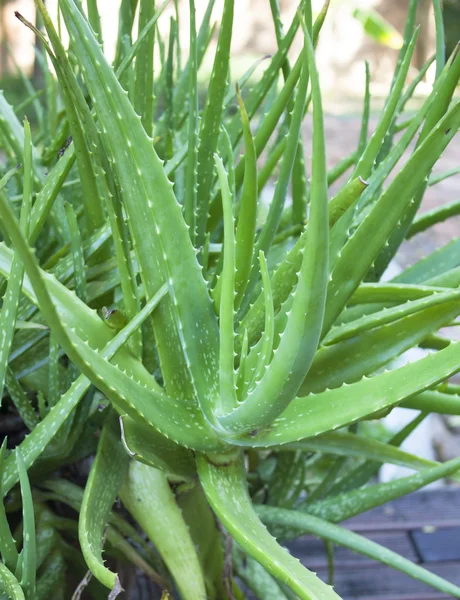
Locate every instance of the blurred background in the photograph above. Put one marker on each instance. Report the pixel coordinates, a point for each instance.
(355, 30)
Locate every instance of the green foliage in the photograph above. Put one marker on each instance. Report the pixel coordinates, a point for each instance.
(203, 347)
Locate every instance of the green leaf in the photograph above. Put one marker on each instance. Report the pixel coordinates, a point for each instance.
(10, 301)
(146, 492)
(9, 585)
(212, 117)
(104, 482)
(344, 506)
(144, 444)
(366, 161)
(247, 218)
(299, 341)
(225, 487)
(46, 430)
(8, 550)
(329, 410)
(28, 553)
(160, 237)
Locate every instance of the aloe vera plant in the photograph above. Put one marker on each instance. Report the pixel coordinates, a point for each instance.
(217, 364)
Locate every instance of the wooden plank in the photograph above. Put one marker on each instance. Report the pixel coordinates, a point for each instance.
(382, 583)
(311, 550)
(437, 545)
(440, 508)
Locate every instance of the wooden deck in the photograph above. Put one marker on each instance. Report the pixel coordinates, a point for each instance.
(424, 527)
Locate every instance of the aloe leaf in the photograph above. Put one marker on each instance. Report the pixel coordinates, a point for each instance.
(434, 216)
(386, 316)
(342, 201)
(77, 253)
(247, 218)
(8, 550)
(438, 262)
(147, 446)
(437, 111)
(226, 489)
(125, 27)
(348, 444)
(364, 472)
(434, 179)
(203, 38)
(266, 348)
(284, 278)
(256, 577)
(91, 197)
(366, 161)
(28, 553)
(10, 302)
(20, 400)
(54, 571)
(288, 480)
(440, 41)
(9, 585)
(299, 341)
(212, 120)
(46, 430)
(227, 296)
(146, 492)
(128, 395)
(144, 35)
(344, 506)
(329, 410)
(434, 401)
(104, 482)
(353, 264)
(190, 200)
(188, 361)
(144, 70)
(308, 524)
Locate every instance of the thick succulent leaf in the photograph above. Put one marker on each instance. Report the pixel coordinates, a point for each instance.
(144, 69)
(368, 157)
(9, 585)
(344, 506)
(438, 109)
(434, 216)
(438, 262)
(372, 349)
(144, 444)
(10, 299)
(104, 482)
(8, 550)
(433, 401)
(48, 428)
(364, 471)
(386, 316)
(256, 577)
(146, 492)
(284, 278)
(136, 399)
(211, 123)
(308, 524)
(226, 489)
(320, 413)
(190, 200)
(299, 341)
(372, 233)
(27, 558)
(160, 237)
(247, 218)
(348, 444)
